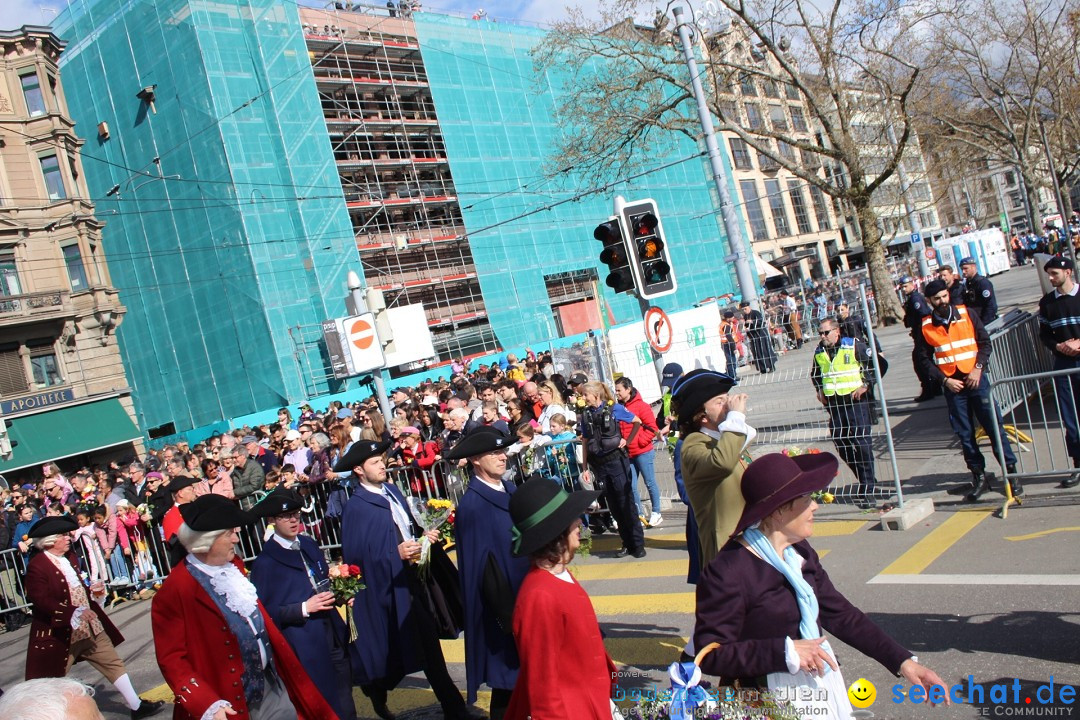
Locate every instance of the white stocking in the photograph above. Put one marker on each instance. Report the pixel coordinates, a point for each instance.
(123, 684)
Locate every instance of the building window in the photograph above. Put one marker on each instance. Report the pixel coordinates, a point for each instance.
(754, 118)
(75, 269)
(54, 180)
(746, 84)
(786, 151)
(1017, 199)
(740, 154)
(779, 209)
(31, 87)
(771, 89)
(777, 118)
(753, 210)
(798, 119)
(821, 210)
(43, 363)
(1010, 178)
(920, 191)
(791, 91)
(798, 203)
(729, 111)
(9, 276)
(927, 219)
(12, 370)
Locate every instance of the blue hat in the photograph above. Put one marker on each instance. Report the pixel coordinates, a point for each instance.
(906, 279)
(968, 261)
(671, 373)
(344, 413)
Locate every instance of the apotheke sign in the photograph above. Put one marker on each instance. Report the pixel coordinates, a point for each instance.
(35, 402)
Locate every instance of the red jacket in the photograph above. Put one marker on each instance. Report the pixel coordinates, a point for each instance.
(555, 620)
(643, 440)
(197, 654)
(50, 630)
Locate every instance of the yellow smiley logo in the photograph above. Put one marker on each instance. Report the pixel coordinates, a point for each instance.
(862, 693)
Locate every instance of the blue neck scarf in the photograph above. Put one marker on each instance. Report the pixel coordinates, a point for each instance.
(791, 568)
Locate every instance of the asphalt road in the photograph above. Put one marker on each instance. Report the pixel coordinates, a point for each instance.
(971, 594)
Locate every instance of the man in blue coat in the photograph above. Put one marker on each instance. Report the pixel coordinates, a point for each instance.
(490, 574)
(291, 576)
(397, 636)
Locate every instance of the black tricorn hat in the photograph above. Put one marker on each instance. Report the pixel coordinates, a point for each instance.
(696, 388)
(358, 454)
(53, 525)
(480, 440)
(280, 501)
(180, 482)
(207, 513)
(541, 510)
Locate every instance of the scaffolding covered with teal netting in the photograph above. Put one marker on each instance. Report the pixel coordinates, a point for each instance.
(500, 124)
(226, 230)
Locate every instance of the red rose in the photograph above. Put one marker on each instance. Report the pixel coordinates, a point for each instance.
(354, 569)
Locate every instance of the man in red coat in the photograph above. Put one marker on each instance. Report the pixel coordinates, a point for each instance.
(216, 646)
(68, 624)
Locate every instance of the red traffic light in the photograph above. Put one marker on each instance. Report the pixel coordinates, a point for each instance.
(645, 224)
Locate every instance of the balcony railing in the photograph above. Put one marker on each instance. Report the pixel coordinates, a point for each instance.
(31, 304)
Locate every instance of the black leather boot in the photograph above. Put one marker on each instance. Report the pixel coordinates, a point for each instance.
(1016, 486)
(982, 485)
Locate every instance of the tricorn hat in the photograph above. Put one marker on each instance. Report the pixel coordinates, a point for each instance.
(52, 525)
(696, 388)
(481, 439)
(280, 501)
(358, 454)
(207, 513)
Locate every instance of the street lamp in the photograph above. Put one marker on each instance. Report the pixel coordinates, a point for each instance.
(1043, 117)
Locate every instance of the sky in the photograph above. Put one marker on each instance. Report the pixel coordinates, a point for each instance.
(16, 13)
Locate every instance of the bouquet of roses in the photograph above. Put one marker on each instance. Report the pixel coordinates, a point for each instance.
(345, 582)
(429, 517)
(822, 496)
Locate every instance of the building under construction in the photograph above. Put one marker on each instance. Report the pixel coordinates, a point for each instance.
(395, 173)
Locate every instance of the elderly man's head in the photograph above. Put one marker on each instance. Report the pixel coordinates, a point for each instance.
(49, 699)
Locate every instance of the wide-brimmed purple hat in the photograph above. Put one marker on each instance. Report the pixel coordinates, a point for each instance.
(774, 479)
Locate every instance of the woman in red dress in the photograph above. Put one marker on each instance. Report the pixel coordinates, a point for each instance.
(554, 619)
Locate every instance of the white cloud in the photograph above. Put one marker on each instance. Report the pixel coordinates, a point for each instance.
(16, 13)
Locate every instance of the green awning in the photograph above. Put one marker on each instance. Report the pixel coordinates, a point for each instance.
(68, 431)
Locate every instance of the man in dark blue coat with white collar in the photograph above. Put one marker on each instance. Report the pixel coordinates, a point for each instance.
(396, 636)
(490, 574)
(291, 576)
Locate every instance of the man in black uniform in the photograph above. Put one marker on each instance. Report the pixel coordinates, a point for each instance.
(1059, 330)
(952, 284)
(978, 292)
(915, 309)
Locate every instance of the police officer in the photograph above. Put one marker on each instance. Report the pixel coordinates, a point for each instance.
(842, 373)
(915, 309)
(955, 353)
(1059, 330)
(604, 451)
(978, 292)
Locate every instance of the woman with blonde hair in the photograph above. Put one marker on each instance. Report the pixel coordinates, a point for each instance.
(552, 402)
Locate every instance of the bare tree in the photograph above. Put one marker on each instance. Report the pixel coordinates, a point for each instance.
(852, 61)
(1002, 67)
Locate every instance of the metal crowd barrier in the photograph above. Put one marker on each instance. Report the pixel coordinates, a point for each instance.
(1017, 352)
(1036, 424)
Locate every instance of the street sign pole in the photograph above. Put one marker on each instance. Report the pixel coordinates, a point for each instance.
(358, 301)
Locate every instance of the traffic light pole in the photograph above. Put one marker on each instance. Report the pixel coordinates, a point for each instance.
(743, 271)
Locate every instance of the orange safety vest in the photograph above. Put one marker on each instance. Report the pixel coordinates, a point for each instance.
(954, 347)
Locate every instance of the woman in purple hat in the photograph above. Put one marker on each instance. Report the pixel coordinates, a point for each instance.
(766, 599)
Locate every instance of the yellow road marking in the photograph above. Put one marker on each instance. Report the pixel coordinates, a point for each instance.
(643, 651)
(628, 568)
(920, 555)
(836, 528)
(1043, 533)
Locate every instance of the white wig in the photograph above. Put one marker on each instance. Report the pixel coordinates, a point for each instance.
(196, 541)
(44, 543)
(41, 699)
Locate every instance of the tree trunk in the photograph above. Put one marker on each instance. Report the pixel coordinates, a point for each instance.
(888, 304)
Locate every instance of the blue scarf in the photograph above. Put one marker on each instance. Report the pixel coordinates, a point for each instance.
(791, 568)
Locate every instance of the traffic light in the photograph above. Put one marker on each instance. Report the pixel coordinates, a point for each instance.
(649, 260)
(5, 442)
(620, 278)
